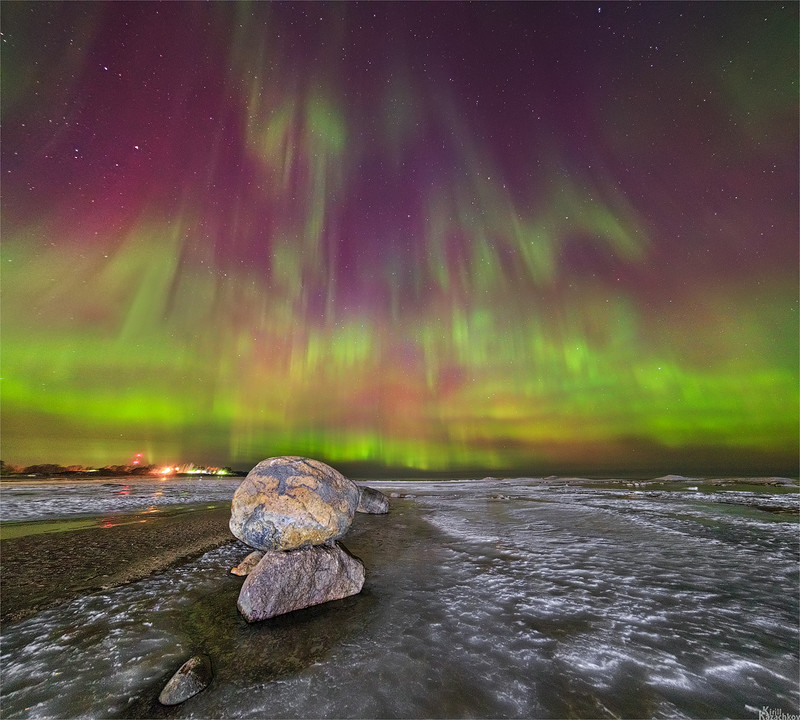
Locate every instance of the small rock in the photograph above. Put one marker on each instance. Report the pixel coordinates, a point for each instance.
(291, 502)
(192, 677)
(296, 579)
(244, 567)
(372, 501)
(395, 495)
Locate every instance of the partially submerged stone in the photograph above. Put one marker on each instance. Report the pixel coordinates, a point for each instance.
(291, 502)
(191, 678)
(246, 566)
(372, 501)
(287, 581)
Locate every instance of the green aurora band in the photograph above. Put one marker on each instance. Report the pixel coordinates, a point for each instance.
(285, 260)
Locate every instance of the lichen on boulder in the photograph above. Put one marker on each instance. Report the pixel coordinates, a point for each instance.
(291, 502)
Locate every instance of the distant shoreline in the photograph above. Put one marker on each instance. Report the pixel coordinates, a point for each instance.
(20, 477)
(672, 480)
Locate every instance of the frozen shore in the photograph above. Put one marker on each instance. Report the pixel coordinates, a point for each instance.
(62, 539)
(45, 563)
(505, 598)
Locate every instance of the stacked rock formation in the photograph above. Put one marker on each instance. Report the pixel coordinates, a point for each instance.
(294, 510)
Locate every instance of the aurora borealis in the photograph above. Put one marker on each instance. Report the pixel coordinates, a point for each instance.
(412, 235)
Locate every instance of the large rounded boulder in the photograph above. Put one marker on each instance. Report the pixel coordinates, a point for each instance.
(291, 502)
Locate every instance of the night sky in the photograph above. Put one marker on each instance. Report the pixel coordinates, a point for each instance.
(529, 236)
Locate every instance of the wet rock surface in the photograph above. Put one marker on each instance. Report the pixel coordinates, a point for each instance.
(286, 581)
(372, 501)
(192, 677)
(291, 502)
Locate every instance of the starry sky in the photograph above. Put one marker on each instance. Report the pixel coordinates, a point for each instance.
(402, 236)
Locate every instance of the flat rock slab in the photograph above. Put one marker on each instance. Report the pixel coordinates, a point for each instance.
(191, 678)
(372, 501)
(246, 566)
(287, 581)
(291, 502)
